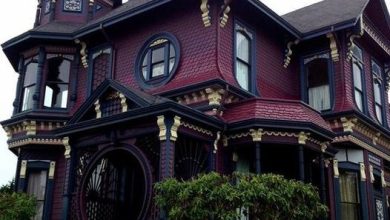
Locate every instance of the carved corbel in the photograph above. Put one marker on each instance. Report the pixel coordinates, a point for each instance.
(336, 172)
(362, 172)
(52, 169)
(8, 132)
(324, 146)
(289, 52)
(256, 134)
(175, 127)
(372, 177)
(123, 102)
(65, 141)
(352, 38)
(83, 52)
(216, 142)
(214, 96)
(224, 13)
(348, 124)
(23, 169)
(376, 138)
(97, 109)
(31, 127)
(302, 137)
(163, 128)
(225, 141)
(204, 8)
(333, 47)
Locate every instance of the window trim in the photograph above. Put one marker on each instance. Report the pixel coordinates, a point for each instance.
(92, 55)
(360, 64)
(304, 92)
(247, 31)
(382, 92)
(165, 78)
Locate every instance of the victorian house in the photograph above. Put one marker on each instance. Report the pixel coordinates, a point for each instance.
(113, 97)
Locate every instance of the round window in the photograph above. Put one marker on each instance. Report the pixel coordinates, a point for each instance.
(158, 60)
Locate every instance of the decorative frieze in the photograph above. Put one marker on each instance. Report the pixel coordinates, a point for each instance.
(204, 8)
(196, 128)
(377, 36)
(289, 52)
(38, 141)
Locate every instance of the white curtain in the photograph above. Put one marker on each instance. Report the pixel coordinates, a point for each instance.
(319, 97)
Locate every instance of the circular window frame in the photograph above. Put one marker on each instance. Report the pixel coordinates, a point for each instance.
(161, 80)
(132, 151)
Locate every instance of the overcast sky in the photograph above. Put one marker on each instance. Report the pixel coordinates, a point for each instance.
(16, 17)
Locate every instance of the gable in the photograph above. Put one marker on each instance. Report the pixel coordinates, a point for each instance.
(111, 98)
(377, 13)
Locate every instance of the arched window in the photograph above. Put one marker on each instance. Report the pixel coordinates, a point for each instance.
(357, 71)
(158, 60)
(57, 82)
(378, 91)
(29, 84)
(243, 57)
(317, 82)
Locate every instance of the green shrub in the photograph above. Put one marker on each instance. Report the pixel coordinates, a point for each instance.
(215, 196)
(15, 206)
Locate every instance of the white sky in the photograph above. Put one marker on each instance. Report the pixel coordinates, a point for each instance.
(16, 17)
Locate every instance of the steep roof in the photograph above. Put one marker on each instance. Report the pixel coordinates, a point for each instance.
(325, 14)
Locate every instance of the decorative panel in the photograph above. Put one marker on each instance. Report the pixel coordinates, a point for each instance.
(73, 5)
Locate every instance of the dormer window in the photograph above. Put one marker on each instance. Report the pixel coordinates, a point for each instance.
(243, 57)
(158, 60)
(29, 84)
(378, 91)
(57, 82)
(317, 80)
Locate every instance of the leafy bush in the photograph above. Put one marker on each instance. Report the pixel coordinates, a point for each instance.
(15, 206)
(215, 196)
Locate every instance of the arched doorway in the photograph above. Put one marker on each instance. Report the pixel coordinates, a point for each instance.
(117, 185)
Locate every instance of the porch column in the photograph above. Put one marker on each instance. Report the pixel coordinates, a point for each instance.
(322, 178)
(256, 136)
(301, 160)
(168, 134)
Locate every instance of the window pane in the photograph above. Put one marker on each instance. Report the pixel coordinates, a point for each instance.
(242, 47)
(36, 186)
(357, 77)
(377, 93)
(145, 72)
(158, 69)
(172, 52)
(28, 98)
(357, 52)
(359, 99)
(56, 95)
(350, 201)
(158, 55)
(319, 97)
(378, 112)
(242, 74)
(64, 70)
(171, 64)
(30, 76)
(58, 70)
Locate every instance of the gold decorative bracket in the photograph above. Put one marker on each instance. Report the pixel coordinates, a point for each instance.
(83, 52)
(175, 127)
(256, 134)
(302, 137)
(362, 172)
(348, 124)
(289, 52)
(214, 96)
(216, 142)
(324, 146)
(225, 141)
(333, 47)
(204, 8)
(163, 128)
(97, 109)
(31, 127)
(23, 169)
(376, 138)
(65, 141)
(52, 169)
(224, 14)
(336, 172)
(123, 102)
(352, 38)
(372, 178)
(8, 132)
